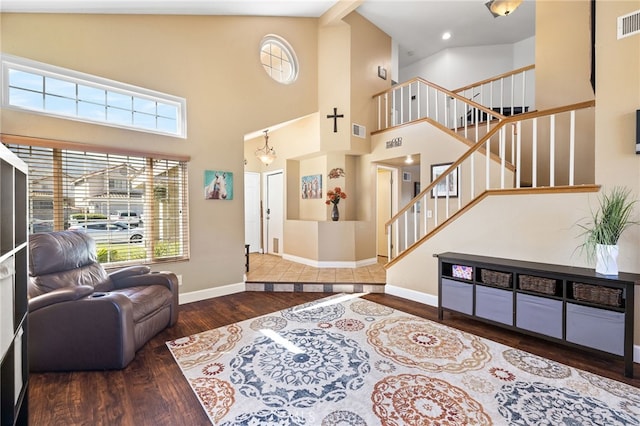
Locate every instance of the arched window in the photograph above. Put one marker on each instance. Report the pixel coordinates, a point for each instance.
(278, 59)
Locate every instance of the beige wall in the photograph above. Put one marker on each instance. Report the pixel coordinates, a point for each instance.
(617, 99)
(334, 50)
(212, 62)
(370, 48)
(563, 53)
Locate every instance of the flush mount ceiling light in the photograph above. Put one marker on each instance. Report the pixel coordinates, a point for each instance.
(502, 7)
(409, 159)
(446, 36)
(266, 154)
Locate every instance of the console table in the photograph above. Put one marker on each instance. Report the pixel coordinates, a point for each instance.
(570, 305)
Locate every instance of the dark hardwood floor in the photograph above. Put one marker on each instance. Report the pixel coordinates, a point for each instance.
(152, 390)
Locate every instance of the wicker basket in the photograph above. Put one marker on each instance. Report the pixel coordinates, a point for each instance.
(598, 294)
(537, 284)
(500, 279)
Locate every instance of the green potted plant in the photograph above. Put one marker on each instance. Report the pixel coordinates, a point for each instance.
(605, 227)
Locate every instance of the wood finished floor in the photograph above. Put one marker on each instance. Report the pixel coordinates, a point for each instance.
(152, 390)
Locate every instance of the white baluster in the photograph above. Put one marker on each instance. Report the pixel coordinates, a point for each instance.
(534, 154)
(572, 147)
(518, 152)
(472, 190)
(552, 149)
(406, 230)
(488, 163)
(503, 160)
(424, 207)
(389, 249)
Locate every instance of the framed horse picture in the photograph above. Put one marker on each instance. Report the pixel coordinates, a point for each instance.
(218, 185)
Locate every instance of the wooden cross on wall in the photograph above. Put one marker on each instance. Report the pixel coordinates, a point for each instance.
(335, 117)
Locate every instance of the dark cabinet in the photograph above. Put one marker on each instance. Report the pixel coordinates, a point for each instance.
(573, 306)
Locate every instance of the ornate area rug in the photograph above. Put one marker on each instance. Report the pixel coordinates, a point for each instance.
(344, 360)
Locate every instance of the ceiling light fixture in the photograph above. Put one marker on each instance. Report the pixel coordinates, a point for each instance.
(502, 7)
(409, 159)
(446, 36)
(266, 154)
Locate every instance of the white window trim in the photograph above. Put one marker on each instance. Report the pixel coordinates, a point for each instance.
(76, 77)
(285, 46)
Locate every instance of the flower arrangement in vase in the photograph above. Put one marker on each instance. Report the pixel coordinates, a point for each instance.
(333, 197)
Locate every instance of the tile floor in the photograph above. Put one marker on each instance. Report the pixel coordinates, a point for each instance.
(272, 273)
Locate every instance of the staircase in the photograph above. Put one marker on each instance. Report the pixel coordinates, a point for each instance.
(510, 151)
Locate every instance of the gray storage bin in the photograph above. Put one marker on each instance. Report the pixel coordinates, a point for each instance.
(494, 304)
(539, 314)
(457, 296)
(596, 328)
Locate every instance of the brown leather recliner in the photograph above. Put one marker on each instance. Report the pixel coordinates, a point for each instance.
(81, 317)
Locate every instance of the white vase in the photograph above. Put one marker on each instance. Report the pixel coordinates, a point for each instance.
(607, 259)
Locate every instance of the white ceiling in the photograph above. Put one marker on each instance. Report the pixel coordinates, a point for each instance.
(416, 25)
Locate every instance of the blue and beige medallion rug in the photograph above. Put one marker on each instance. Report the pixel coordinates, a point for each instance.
(344, 361)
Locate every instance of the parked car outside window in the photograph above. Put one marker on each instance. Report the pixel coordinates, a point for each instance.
(110, 232)
(132, 218)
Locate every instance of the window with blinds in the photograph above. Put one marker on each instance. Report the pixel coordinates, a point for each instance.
(135, 207)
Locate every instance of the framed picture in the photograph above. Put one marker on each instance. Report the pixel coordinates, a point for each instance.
(444, 188)
(311, 187)
(382, 72)
(406, 177)
(218, 185)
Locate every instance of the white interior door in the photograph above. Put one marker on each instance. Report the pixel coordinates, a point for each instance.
(274, 212)
(252, 211)
(386, 205)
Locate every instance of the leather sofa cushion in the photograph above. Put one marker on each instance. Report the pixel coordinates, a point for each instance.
(52, 252)
(147, 299)
(92, 275)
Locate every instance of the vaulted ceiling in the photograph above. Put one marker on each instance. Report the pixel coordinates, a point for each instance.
(416, 25)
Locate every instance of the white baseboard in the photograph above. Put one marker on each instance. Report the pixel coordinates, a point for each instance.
(431, 300)
(330, 264)
(196, 296)
(427, 299)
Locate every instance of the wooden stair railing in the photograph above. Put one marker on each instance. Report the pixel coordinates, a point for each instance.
(475, 173)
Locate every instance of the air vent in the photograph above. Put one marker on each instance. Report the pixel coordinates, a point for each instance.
(359, 131)
(629, 24)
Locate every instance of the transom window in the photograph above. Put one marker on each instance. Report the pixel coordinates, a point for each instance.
(43, 88)
(278, 59)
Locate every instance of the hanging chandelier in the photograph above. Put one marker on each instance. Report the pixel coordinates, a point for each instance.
(502, 7)
(266, 154)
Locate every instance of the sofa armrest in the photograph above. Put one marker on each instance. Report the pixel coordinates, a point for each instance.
(167, 279)
(164, 278)
(65, 294)
(93, 333)
(129, 272)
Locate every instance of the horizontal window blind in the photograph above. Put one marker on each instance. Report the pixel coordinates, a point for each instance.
(134, 206)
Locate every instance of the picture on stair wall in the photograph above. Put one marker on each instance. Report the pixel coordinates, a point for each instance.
(448, 186)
